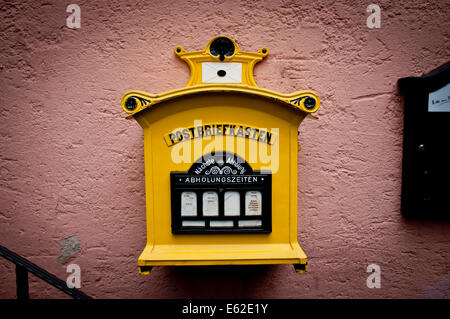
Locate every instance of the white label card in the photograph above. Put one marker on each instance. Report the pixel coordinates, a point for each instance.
(188, 204)
(210, 204)
(221, 223)
(439, 100)
(253, 203)
(250, 223)
(193, 223)
(232, 204)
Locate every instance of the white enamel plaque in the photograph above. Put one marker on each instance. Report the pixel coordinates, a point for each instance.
(193, 223)
(250, 223)
(232, 204)
(210, 204)
(188, 204)
(221, 223)
(439, 100)
(221, 72)
(253, 203)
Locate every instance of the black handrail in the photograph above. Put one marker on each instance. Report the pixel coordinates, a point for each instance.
(24, 266)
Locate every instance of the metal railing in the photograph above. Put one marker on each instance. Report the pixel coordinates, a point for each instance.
(24, 266)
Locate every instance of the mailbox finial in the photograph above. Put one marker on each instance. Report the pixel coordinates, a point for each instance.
(221, 62)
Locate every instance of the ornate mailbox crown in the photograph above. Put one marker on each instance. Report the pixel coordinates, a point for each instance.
(220, 67)
(218, 189)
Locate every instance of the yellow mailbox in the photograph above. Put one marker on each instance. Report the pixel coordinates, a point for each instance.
(221, 164)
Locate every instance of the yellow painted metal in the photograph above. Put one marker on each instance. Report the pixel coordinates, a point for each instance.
(242, 103)
(196, 58)
(145, 100)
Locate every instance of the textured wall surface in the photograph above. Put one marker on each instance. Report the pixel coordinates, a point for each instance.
(71, 165)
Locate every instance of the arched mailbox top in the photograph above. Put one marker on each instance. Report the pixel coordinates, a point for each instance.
(221, 67)
(303, 101)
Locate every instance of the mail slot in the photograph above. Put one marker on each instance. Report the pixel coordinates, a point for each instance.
(221, 163)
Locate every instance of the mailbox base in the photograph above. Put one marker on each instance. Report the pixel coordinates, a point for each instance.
(196, 255)
(145, 270)
(301, 268)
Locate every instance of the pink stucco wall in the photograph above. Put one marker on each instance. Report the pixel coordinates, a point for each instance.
(71, 165)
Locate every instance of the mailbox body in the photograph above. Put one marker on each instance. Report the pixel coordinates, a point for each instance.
(221, 141)
(164, 247)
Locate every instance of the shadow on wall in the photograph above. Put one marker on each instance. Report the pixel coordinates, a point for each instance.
(437, 290)
(219, 281)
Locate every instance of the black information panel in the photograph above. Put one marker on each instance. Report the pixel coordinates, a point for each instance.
(426, 159)
(221, 194)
